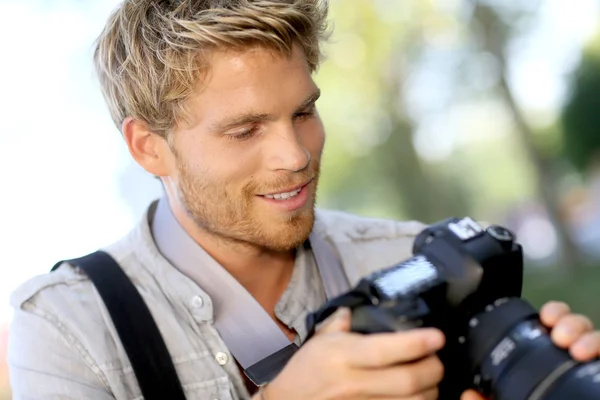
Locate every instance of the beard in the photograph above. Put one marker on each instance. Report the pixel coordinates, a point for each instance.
(235, 213)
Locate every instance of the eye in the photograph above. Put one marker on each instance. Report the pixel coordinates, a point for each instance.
(243, 135)
(305, 114)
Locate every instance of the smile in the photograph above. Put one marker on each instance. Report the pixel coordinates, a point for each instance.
(289, 192)
(292, 199)
(284, 195)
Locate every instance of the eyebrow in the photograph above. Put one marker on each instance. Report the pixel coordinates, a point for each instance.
(248, 118)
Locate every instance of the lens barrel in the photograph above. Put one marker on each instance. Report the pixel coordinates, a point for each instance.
(581, 382)
(513, 358)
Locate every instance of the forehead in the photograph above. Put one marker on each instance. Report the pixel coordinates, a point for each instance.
(232, 68)
(256, 79)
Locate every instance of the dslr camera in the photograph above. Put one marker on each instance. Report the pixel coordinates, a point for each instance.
(467, 282)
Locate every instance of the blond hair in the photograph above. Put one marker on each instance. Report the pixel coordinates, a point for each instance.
(152, 54)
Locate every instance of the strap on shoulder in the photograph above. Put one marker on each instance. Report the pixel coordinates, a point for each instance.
(139, 334)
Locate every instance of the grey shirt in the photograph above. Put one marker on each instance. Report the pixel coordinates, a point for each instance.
(63, 345)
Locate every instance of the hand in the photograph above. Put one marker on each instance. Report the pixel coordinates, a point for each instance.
(568, 331)
(339, 364)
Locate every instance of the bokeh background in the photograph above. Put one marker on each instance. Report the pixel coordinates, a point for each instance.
(433, 108)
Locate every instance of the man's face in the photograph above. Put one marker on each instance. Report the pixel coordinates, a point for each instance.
(247, 169)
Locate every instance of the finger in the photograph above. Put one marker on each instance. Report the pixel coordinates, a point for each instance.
(471, 395)
(569, 329)
(552, 311)
(403, 380)
(384, 349)
(587, 347)
(339, 321)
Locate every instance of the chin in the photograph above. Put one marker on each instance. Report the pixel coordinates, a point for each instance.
(289, 234)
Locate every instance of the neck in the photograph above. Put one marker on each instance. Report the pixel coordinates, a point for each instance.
(263, 273)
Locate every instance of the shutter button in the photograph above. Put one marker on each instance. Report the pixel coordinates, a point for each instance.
(221, 358)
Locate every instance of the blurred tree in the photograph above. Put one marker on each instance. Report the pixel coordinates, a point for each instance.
(494, 33)
(370, 164)
(580, 116)
(427, 194)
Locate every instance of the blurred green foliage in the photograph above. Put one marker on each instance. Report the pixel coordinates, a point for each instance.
(581, 116)
(370, 163)
(579, 289)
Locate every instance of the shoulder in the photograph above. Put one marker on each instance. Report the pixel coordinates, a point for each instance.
(66, 299)
(366, 244)
(66, 285)
(61, 304)
(58, 283)
(344, 226)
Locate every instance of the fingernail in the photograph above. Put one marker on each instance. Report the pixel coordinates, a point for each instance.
(435, 340)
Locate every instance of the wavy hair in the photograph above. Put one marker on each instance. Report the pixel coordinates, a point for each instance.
(152, 54)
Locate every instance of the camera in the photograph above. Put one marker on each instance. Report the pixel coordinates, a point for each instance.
(467, 281)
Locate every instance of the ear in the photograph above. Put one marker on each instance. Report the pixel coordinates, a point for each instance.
(148, 149)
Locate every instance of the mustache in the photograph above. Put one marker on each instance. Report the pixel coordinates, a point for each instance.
(285, 182)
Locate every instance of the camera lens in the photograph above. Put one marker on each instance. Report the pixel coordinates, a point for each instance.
(513, 358)
(582, 382)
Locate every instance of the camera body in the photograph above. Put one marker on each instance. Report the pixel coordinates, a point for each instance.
(467, 282)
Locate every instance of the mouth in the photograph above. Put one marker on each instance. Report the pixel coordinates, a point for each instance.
(287, 193)
(289, 199)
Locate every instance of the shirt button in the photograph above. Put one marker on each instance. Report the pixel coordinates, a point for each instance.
(221, 358)
(197, 302)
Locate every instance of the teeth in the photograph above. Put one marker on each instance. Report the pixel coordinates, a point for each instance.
(283, 196)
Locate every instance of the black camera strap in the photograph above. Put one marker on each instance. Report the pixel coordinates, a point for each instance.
(141, 338)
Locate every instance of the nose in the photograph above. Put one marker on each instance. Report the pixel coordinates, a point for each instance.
(287, 152)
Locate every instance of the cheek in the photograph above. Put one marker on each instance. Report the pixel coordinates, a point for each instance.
(233, 162)
(313, 136)
(198, 168)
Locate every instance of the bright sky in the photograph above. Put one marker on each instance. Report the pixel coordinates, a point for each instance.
(61, 157)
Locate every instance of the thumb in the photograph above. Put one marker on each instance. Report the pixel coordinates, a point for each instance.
(339, 321)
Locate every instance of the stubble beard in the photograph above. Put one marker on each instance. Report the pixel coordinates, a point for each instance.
(233, 215)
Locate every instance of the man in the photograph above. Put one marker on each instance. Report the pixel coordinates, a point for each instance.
(216, 98)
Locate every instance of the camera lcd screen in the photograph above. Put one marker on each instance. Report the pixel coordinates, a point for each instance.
(408, 277)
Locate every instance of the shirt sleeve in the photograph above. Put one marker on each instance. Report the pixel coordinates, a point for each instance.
(46, 363)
